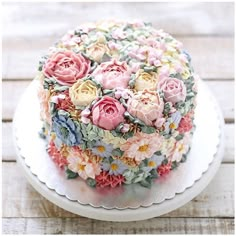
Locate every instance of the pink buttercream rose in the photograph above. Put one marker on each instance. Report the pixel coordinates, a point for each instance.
(147, 106)
(66, 67)
(107, 113)
(174, 89)
(113, 74)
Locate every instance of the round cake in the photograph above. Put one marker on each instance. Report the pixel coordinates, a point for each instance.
(117, 103)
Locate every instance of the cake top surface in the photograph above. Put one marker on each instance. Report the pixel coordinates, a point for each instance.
(116, 70)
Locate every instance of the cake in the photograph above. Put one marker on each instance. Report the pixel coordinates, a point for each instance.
(117, 103)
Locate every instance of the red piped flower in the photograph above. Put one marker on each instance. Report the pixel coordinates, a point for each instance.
(104, 179)
(117, 180)
(55, 154)
(185, 124)
(66, 103)
(164, 169)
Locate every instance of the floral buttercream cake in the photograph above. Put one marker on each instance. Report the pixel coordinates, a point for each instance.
(117, 103)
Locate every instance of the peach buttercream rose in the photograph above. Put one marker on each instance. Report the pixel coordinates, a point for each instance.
(82, 93)
(147, 106)
(174, 89)
(108, 113)
(66, 67)
(44, 97)
(112, 74)
(145, 80)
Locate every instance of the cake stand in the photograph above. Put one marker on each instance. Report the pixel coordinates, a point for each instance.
(128, 203)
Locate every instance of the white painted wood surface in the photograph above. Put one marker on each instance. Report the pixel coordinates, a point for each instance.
(207, 31)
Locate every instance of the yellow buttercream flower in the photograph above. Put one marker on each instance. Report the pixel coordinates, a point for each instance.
(186, 73)
(106, 25)
(110, 139)
(82, 93)
(145, 80)
(167, 146)
(97, 50)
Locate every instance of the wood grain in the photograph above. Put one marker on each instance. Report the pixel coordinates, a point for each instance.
(28, 203)
(9, 153)
(212, 57)
(88, 226)
(222, 90)
(48, 19)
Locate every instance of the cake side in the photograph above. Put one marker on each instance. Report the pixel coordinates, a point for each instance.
(117, 103)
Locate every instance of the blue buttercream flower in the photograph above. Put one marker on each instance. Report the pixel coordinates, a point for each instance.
(116, 167)
(172, 122)
(152, 163)
(66, 130)
(102, 149)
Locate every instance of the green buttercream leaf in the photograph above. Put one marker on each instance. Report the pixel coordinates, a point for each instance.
(92, 135)
(42, 133)
(179, 137)
(117, 152)
(141, 176)
(167, 108)
(147, 183)
(138, 121)
(52, 107)
(128, 134)
(91, 182)
(184, 158)
(158, 153)
(83, 146)
(100, 133)
(149, 69)
(89, 127)
(59, 88)
(165, 162)
(129, 116)
(116, 134)
(90, 144)
(174, 165)
(70, 174)
(123, 102)
(108, 91)
(94, 128)
(154, 174)
(148, 129)
(63, 113)
(119, 127)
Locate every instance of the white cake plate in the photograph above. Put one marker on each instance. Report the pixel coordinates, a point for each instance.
(127, 203)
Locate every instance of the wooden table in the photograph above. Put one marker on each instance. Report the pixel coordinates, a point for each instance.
(207, 31)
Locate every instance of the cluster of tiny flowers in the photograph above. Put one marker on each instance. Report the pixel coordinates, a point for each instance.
(117, 103)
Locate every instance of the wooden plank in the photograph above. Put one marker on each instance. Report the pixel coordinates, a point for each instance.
(21, 56)
(229, 155)
(223, 91)
(88, 226)
(9, 154)
(178, 18)
(28, 203)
